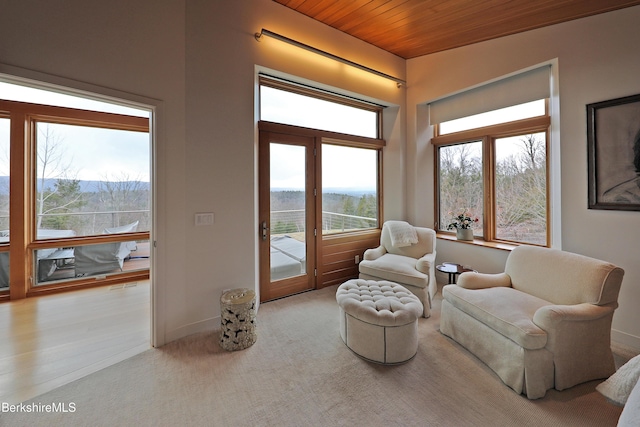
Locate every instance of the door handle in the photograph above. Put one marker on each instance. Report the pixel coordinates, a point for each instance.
(265, 230)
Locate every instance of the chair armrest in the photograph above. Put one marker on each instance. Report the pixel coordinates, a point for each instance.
(473, 280)
(549, 317)
(375, 253)
(426, 262)
(579, 337)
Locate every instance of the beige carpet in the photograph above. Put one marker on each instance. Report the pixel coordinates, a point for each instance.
(299, 373)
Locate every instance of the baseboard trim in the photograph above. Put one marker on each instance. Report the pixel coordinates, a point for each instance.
(193, 328)
(626, 340)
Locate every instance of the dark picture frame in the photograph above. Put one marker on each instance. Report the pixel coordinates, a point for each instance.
(613, 144)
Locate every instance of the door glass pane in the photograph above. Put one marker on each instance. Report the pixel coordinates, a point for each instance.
(521, 189)
(4, 201)
(460, 183)
(349, 189)
(90, 180)
(100, 259)
(288, 215)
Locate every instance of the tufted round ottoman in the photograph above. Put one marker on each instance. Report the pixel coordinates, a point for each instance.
(379, 320)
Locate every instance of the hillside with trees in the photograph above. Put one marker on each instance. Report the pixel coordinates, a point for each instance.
(520, 181)
(287, 207)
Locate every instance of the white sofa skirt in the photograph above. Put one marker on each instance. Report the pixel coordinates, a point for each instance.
(529, 372)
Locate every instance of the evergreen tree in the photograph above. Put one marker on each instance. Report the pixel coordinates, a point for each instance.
(65, 197)
(348, 207)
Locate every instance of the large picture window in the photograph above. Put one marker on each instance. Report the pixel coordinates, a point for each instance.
(74, 193)
(90, 179)
(498, 174)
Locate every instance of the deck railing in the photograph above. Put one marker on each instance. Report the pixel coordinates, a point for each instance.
(293, 221)
(284, 221)
(90, 223)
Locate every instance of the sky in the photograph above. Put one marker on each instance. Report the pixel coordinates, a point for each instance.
(87, 153)
(96, 154)
(503, 115)
(291, 108)
(507, 146)
(343, 167)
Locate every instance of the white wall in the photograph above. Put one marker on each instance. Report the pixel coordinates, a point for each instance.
(197, 60)
(597, 60)
(222, 59)
(135, 48)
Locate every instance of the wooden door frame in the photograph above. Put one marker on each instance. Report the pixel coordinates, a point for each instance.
(292, 285)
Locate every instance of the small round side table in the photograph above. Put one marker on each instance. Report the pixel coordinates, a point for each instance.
(453, 270)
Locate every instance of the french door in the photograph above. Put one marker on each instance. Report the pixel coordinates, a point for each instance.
(287, 233)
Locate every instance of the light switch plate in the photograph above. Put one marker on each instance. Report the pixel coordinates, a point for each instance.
(205, 218)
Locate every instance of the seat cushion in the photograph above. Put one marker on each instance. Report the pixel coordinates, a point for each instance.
(395, 268)
(505, 310)
(378, 303)
(379, 320)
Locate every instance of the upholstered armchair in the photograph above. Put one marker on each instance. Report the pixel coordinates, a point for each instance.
(406, 255)
(543, 323)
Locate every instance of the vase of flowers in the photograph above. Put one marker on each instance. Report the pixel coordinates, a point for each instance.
(464, 234)
(463, 224)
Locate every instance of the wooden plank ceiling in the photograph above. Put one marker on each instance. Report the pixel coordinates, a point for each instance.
(411, 28)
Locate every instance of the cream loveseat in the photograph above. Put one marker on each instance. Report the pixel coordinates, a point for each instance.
(406, 255)
(543, 323)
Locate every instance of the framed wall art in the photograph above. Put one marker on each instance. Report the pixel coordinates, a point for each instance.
(613, 141)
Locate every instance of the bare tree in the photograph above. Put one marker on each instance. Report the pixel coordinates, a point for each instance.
(53, 163)
(521, 192)
(534, 150)
(520, 187)
(121, 193)
(461, 186)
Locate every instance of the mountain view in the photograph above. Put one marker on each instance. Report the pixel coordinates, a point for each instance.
(342, 209)
(86, 207)
(85, 186)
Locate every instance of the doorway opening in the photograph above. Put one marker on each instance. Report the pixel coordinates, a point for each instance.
(76, 215)
(75, 192)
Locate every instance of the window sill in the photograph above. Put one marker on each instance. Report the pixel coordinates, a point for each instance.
(477, 242)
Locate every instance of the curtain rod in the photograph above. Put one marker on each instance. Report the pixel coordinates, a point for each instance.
(271, 34)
